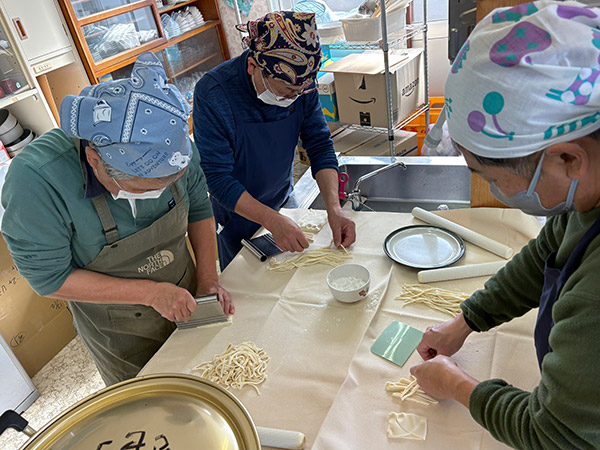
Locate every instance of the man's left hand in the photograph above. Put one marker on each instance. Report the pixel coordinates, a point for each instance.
(442, 378)
(213, 287)
(343, 228)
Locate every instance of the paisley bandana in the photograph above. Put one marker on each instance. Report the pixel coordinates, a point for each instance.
(286, 45)
(527, 78)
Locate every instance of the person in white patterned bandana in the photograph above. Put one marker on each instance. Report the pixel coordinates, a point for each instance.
(97, 213)
(523, 106)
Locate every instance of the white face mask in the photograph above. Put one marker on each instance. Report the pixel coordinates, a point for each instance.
(270, 98)
(131, 197)
(141, 196)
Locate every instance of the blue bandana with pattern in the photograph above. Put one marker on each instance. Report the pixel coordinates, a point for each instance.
(137, 125)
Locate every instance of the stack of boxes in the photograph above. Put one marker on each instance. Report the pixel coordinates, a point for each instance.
(352, 91)
(361, 87)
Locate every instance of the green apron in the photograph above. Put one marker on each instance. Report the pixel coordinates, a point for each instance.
(122, 338)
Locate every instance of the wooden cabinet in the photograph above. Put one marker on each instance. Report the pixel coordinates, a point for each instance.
(110, 34)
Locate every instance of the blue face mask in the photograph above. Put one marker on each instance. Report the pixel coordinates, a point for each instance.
(529, 201)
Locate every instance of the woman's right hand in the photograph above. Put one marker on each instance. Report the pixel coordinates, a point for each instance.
(444, 339)
(172, 302)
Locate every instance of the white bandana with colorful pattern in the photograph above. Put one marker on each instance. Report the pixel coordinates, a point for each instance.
(526, 78)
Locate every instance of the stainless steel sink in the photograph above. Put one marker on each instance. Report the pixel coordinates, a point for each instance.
(439, 182)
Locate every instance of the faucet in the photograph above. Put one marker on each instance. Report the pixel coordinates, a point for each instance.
(355, 196)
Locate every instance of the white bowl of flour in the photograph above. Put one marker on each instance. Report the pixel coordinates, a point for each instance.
(349, 283)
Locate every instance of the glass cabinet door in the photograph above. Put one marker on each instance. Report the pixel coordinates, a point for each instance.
(12, 77)
(185, 62)
(111, 31)
(84, 8)
(117, 34)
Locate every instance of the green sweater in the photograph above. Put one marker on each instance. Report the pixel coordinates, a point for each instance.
(563, 411)
(50, 226)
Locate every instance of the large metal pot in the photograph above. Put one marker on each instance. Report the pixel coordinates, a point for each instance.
(165, 411)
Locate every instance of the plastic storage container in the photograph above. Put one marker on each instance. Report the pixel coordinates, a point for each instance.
(361, 28)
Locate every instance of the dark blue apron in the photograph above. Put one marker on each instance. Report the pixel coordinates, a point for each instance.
(554, 280)
(263, 163)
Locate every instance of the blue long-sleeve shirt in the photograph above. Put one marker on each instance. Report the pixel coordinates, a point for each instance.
(215, 127)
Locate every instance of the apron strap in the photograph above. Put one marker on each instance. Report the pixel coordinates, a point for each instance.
(176, 193)
(109, 227)
(575, 257)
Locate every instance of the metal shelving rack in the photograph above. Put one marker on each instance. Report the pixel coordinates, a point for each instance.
(385, 43)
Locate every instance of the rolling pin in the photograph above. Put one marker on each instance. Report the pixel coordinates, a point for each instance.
(272, 437)
(468, 235)
(456, 273)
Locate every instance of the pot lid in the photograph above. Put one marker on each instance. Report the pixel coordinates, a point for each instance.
(165, 411)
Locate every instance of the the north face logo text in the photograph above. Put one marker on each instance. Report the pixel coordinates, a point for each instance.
(157, 262)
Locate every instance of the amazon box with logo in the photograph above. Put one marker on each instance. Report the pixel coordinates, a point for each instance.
(36, 328)
(361, 91)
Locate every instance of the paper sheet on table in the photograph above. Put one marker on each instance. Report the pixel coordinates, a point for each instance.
(507, 353)
(312, 339)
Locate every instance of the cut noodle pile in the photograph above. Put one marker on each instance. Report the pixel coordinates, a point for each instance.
(240, 365)
(408, 389)
(440, 299)
(325, 255)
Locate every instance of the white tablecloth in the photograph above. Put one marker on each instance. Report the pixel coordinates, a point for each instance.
(322, 378)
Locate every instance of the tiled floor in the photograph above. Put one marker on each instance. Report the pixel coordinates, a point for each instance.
(69, 377)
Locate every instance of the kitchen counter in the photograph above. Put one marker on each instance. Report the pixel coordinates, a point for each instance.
(322, 379)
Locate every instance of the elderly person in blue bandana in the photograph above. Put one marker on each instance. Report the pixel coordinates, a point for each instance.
(249, 113)
(523, 106)
(97, 212)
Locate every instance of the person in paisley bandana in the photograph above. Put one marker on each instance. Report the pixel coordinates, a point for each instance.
(249, 114)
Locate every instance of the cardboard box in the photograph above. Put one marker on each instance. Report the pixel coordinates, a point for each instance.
(405, 144)
(361, 91)
(36, 328)
(327, 96)
(348, 139)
